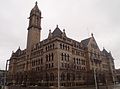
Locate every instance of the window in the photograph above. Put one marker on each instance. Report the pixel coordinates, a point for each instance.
(79, 77)
(53, 46)
(65, 65)
(68, 66)
(41, 61)
(61, 46)
(51, 77)
(49, 66)
(65, 56)
(77, 60)
(52, 56)
(46, 58)
(49, 58)
(46, 66)
(47, 77)
(62, 56)
(68, 57)
(52, 65)
(46, 48)
(68, 48)
(62, 77)
(74, 60)
(68, 76)
(62, 65)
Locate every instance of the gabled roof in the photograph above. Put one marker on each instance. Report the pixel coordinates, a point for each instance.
(57, 32)
(105, 51)
(18, 50)
(85, 42)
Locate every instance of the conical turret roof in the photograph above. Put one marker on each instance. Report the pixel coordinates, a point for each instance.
(35, 10)
(57, 32)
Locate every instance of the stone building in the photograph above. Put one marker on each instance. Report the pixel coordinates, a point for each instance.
(2, 77)
(117, 75)
(58, 60)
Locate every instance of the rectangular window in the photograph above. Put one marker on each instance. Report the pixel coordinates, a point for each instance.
(62, 56)
(52, 65)
(52, 56)
(46, 66)
(41, 61)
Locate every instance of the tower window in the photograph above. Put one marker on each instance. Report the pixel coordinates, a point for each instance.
(52, 56)
(46, 57)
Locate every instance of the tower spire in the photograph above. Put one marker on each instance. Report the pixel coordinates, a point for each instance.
(36, 3)
(34, 28)
(92, 34)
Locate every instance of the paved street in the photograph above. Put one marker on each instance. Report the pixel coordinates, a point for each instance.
(101, 87)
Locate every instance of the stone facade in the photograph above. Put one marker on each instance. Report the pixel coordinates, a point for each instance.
(2, 77)
(58, 58)
(118, 75)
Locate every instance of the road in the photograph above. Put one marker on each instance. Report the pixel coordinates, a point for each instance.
(117, 86)
(101, 87)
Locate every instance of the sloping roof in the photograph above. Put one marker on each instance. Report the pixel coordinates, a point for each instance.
(85, 42)
(57, 32)
(18, 50)
(105, 51)
(35, 9)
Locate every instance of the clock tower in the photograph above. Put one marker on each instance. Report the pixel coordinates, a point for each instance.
(34, 28)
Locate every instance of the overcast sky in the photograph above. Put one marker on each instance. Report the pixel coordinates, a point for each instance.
(79, 18)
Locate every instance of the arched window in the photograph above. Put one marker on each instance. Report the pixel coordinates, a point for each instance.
(49, 58)
(63, 46)
(47, 77)
(60, 46)
(46, 58)
(68, 48)
(53, 46)
(41, 77)
(46, 48)
(52, 56)
(68, 76)
(68, 57)
(73, 76)
(79, 76)
(65, 56)
(50, 46)
(62, 77)
(51, 77)
(62, 56)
